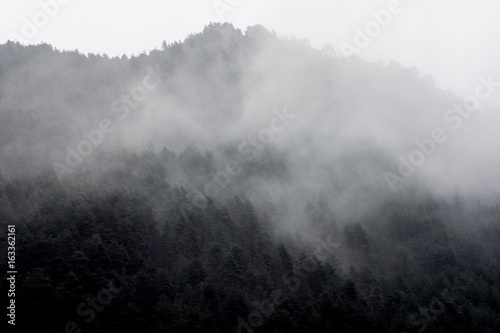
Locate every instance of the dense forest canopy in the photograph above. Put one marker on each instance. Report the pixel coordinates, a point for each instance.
(240, 181)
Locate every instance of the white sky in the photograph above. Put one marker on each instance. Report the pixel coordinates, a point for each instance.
(455, 41)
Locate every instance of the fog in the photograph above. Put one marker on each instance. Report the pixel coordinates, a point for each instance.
(454, 41)
(355, 131)
(214, 158)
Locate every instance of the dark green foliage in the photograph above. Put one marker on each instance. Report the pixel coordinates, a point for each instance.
(221, 266)
(212, 268)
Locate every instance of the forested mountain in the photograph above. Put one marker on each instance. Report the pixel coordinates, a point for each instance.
(242, 182)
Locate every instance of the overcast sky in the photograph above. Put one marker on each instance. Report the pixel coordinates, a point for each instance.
(455, 41)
